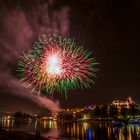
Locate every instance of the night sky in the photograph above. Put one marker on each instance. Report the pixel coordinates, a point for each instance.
(108, 28)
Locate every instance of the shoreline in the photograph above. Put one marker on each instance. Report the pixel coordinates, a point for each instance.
(19, 135)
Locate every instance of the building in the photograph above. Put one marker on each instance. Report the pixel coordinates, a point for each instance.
(123, 103)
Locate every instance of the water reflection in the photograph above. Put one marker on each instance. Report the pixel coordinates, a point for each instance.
(45, 124)
(101, 131)
(76, 130)
(7, 123)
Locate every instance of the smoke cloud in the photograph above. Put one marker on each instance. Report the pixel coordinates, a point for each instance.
(20, 27)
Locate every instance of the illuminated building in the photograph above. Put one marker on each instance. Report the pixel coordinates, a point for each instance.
(123, 103)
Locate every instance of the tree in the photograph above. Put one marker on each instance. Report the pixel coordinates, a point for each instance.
(113, 111)
(124, 111)
(18, 114)
(97, 111)
(133, 110)
(103, 110)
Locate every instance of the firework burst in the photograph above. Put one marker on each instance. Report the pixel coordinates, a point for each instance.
(56, 64)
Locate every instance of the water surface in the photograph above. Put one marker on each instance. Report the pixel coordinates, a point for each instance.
(76, 130)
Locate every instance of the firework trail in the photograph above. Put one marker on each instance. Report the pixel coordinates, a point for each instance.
(56, 64)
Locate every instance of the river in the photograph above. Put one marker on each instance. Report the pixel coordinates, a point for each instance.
(76, 130)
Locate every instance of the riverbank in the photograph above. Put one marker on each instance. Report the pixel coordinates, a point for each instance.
(19, 135)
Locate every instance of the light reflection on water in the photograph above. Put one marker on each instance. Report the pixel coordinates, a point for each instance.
(76, 130)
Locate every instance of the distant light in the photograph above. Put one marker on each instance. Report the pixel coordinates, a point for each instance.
(90, 107)
(85, 117)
